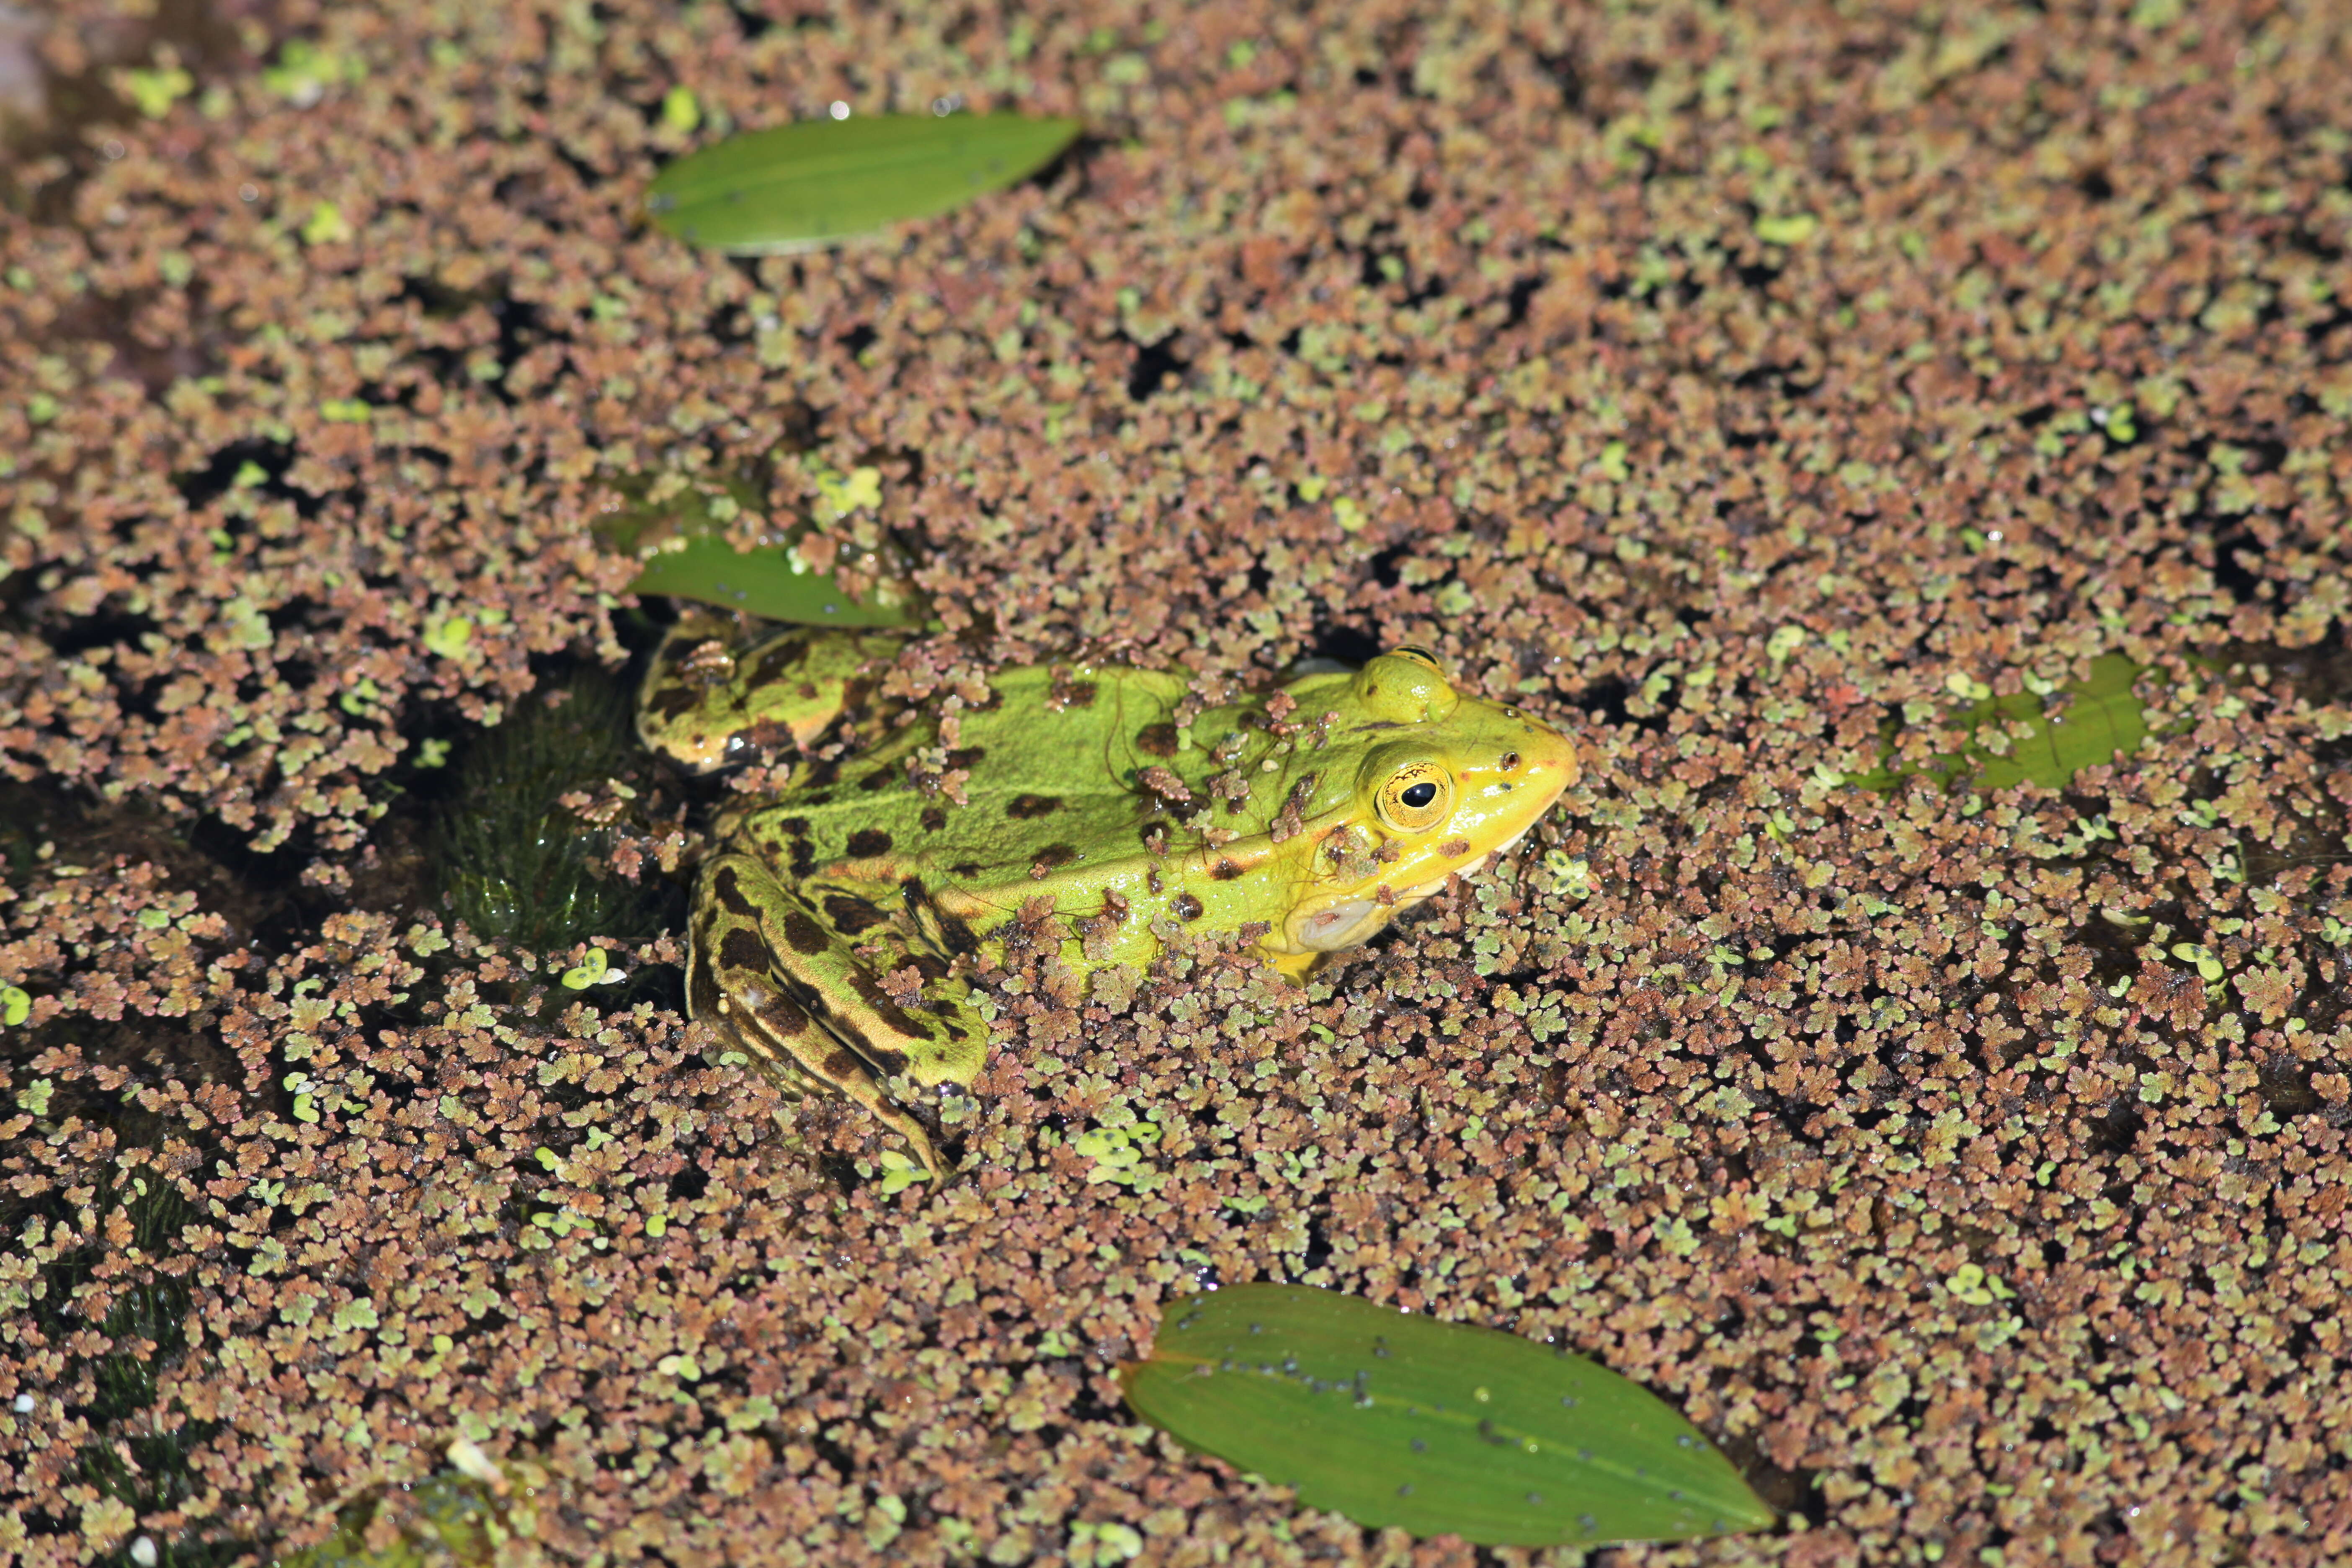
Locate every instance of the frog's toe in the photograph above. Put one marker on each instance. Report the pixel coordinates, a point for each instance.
(917, 1138)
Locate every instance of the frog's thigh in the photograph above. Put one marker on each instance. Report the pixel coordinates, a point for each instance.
(730, 980)
(734, 979)
(814, 940)
(801, 679)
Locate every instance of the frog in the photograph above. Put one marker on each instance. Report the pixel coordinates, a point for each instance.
(1087, 813)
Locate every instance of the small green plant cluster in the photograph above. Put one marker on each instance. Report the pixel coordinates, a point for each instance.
(136, 1464)
(516, 866)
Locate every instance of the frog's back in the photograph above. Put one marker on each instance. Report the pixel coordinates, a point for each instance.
(1043, 777)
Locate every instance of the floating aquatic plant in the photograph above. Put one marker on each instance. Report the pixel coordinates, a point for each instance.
(681, 530)
(816, 182)
(1393, 1418)
(2099, 719)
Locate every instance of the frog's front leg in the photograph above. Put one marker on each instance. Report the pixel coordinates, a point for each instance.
(774, 967)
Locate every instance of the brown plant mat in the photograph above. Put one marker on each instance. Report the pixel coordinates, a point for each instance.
(1735, 387)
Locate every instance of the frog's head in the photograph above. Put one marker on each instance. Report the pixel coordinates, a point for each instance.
(1445, 780)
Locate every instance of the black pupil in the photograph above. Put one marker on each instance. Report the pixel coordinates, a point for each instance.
(1420, 795)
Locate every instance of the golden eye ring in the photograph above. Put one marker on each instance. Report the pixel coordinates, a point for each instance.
(1415, 798)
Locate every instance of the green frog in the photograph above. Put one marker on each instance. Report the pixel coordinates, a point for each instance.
(1083, 813)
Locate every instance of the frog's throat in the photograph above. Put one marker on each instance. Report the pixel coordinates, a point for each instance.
(1352, 922)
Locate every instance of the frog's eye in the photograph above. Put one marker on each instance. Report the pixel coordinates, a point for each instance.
(1417, 796)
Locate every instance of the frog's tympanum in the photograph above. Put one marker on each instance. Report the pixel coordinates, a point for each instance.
(833, 922)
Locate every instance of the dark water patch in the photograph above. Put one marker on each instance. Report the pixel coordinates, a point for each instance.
(1155, 365)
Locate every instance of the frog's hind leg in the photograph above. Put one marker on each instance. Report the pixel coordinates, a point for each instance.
(770, 968)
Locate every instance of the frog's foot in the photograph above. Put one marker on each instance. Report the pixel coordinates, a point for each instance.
(779, 969)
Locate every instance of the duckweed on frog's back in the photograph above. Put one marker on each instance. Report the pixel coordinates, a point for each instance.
(835, 922)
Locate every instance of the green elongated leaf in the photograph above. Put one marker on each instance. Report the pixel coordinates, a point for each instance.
(768, 583)
(682, 542)
(1393, 1418)
(797, 186)
(2100, 719)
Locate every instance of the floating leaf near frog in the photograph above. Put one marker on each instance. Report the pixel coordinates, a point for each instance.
(836, 922)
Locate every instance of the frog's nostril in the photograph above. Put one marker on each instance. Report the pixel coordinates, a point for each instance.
(1510, 761)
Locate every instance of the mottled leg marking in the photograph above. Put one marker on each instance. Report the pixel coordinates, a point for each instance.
(753, 989)
(939, 1040)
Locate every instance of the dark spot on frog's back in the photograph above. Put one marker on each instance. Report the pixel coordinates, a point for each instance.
(880, 778)
(851, 914)
(1224, 870)
(727, 887)
(957, 933)
(1057, 854)
(673, 701)
(934, 820)
(1026, 806)
(868, 842)
(806, 936)
(1185, 906)
(794, 833)
(1157, 741)
(965, 756)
